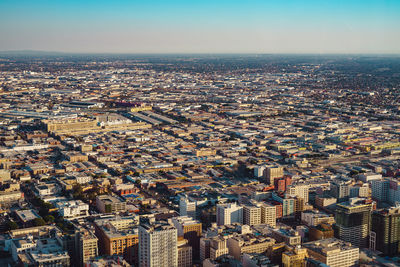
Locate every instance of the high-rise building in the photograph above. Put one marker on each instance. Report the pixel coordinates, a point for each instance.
(385, 231)
(190, 230)
(298, 190)
(380, 189)
(251, 214)
(86, 246)
(353, 221)
(281, 184)
(268, 214)
(157, 244)
(333, 252)
(387, 190)
(272, 172)
(288, 204)
(259, 171)
(229, 213)
(187, 207)
(118, 236)
(184, 253)
(340, 190)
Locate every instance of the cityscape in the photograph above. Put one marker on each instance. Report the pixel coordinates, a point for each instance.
(188, 154)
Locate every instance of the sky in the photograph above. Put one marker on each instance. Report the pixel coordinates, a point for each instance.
(201, 26)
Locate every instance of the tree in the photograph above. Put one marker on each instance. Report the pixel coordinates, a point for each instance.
(39, 222)
(49, 218)
(12, 225)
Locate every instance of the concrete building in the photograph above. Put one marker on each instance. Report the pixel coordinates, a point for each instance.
(251, 215)
(294, 258)
(353, 221)
(333, 252)
(298, 190)
(187, 207)
(184, 253)
(268, 214)
(86, 244)
(73, 208)
(314, 218)
(109, 204)
(385, 231)
(190, 230)
(158, 245)
(272, 172)
(340, 190)
(118, 236)
(229, 213)
(213, 247)
(248, 243)
(259, 171)
(286, 234)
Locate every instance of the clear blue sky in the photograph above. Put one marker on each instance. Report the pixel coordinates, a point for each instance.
(201, 26)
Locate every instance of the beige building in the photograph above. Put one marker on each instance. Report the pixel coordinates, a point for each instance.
(251, 215)
(109, 204)
(184, 253)
(333, 252)
(248, 243)
(272, 172)
(314, 218)
(288, 235)
(268, 214)
(298, 190)
(294, 258)
(87, 246)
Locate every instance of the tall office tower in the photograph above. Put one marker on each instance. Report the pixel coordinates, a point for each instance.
(273, 172)
(385, 232)
(387, 190)
(86, 245)
(353, 219)
(229, 213)
(340, 190)
(259, 171)
(157, 244)
(298, 190)
(380, 189)
(268, 214)
(187, 208)
(190, 230)
(184, 253)
(251, 215)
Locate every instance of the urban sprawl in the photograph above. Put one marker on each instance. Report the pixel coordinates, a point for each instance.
(210, 161)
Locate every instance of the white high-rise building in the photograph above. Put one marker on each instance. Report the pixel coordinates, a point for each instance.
(187, 208)
(229, 213)
(158, 245)
(387, 190)
(299, 190)
(259, 171)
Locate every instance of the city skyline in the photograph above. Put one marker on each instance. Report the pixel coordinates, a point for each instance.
(365, 27)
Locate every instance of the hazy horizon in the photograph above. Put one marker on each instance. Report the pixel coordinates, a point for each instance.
(201, 27)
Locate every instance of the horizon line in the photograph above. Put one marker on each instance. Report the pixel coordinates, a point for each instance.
(196, 53)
